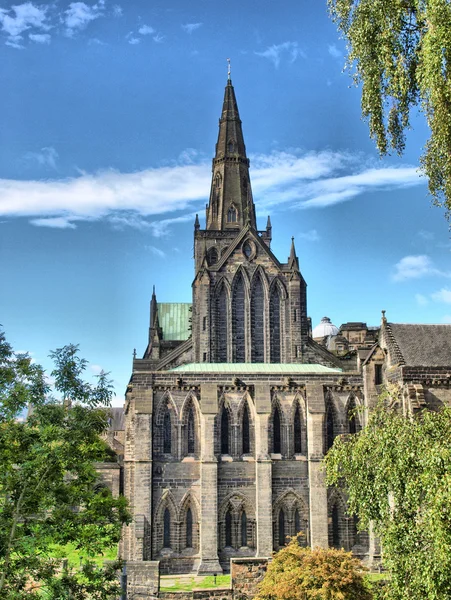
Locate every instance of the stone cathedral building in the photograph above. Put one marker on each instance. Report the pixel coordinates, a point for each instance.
(233, 405)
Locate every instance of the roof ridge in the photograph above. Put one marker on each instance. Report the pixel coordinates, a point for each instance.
(394, 344)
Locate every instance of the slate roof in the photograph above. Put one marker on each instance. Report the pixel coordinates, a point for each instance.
(421, 345)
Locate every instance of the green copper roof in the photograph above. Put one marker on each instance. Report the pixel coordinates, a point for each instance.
(254, 368)
(174, 320)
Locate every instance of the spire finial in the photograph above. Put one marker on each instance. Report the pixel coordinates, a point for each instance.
(228, 69)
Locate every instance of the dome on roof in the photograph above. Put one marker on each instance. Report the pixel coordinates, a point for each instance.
(325, 328)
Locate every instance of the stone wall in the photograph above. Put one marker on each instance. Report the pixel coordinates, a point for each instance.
(143, 580)
(246, 574)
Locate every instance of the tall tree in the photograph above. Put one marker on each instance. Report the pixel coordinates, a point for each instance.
(49, 492)
(397, 472)
(297, 572)
(400, 51)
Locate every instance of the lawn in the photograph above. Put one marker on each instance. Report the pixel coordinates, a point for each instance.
(174, 583)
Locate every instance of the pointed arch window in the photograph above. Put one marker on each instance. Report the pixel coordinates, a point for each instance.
(218, 180)
(189, 528)
(167, 529)
(212, 256)
(191, 431)
(167, 434)
(225, 431)
(246, 431)
(274, 325)
(297, 521)
(351, 417)
(276, 440)
(297, 431)
(228, 528)
(231, 146)
(231, 215)
(257, 323)
(221, 325)
(243, 529)
(335, 527)
(238, 325)
(330, 428)
(282, 540)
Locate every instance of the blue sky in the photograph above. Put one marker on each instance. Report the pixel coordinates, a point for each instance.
(109, 118)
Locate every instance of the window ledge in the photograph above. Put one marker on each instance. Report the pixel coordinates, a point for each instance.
(248, 458)
(226, 458)
(300, 457)
(188, 459)
(276, 456)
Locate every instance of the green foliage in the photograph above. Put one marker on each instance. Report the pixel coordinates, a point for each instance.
(400, 51)
(298, 573)
(49, 492)
(397, 472)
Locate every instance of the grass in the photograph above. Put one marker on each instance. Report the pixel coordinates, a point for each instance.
(74, 556)
(182, 584)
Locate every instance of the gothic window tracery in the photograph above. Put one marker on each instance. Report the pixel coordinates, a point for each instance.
(243, 528)
(212, 256)
(191, 431)
(274, 325)
(166, 529)
(330, 425)
(276, 432)
(221, 325)
(282, 535)
(246, 431)
(167, 433)
(189, 528)
(335, 527)
(297, 521)
(232, 215)
(238, 311)
(297, 431)
(228, 528)
(225, 431)
(257, 322)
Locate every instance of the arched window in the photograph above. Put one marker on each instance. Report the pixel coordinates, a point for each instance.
(257, 324)
(297, 521)
(167, 432)
(228, 528)
(330, 433)
(212, 256)
(231, 146)
(243, 529)
(189, 528)
(218, 180)
(224, 431)
(351, 416)
(191, 431)
(231, 215)
(335, 527)
(297, 431)
(166, 529)
(276, 441)
(282, 540)
(221, 325)
(238, 324)
(245, 431)
(274, 325)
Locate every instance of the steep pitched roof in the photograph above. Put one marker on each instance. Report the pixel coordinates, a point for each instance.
(421, 345)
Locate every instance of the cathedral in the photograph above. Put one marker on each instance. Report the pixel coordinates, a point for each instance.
(235, 401)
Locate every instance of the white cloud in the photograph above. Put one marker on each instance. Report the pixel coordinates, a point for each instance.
(134, 40)
(334, 51)
(414, 267)
(286, 180)
(275, 52)
(426, 235)
(190, 27)
(421, 300)
(40, 38)
(158, 38)
(15, 42)
(79, 14)
(54, 222)
(146, 30)
(310, 236)
(156, 251)
(117, 10)
(47, 157)
(443, 295)
(25, 16)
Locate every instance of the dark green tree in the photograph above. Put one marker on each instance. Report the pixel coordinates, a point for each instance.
(49, 487)
(400, 52)
(397, 472)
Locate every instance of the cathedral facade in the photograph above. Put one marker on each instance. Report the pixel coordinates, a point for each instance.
(233, 405)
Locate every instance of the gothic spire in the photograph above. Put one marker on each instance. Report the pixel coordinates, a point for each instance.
(293, 262)
(231, 205)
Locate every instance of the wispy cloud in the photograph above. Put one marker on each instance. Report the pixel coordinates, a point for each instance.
(20, 18)
(334, 51)
(309, 236)
(415, 267)
(275, 52)
(40, 38)
(156, 251)
(426, 235)
(421, 300)
(117, 10)
(46, 157)
(79, 14)
(146, 30)
(443, 295)
(54, 222)
(133, 40)
(190, 27)
(281, 180)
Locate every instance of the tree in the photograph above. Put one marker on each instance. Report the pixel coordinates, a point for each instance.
(49, 488)
(397, 473)
(400, 51)
(305, 574)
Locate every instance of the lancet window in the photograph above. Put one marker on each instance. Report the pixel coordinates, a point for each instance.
(276, 432)
(189, 528)
(238, 323)
(231, 215)
(243, 529)
(225, 431)
(166, 529)
(191, 431)
(257, 323)
(297, 431)
(167, 434)
(246, 431)
(274, 325)
(282, 535)
(221, 325)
